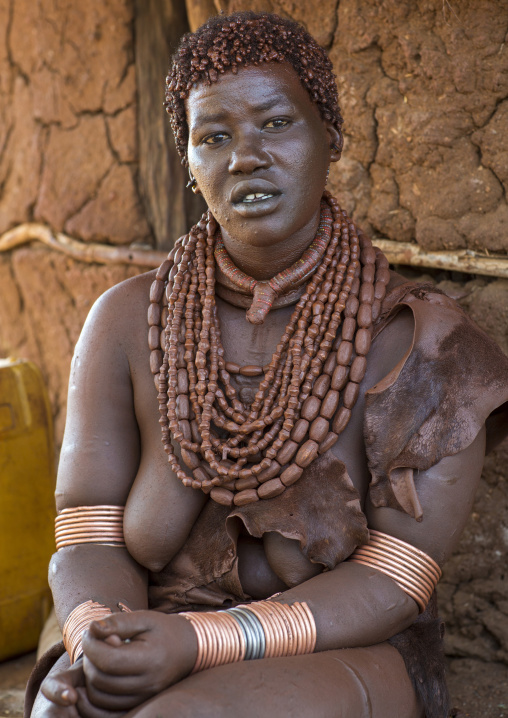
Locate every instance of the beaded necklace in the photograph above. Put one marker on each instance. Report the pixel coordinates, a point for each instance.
(242, 453)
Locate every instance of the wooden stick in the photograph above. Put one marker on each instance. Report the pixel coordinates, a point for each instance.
(82, 251)
(462, 260)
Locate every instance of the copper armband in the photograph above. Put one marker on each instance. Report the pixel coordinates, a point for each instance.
(78, 621)
(90, 524)
(413, 571)
(265, 629)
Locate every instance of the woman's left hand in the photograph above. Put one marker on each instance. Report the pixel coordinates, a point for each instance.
(130, 657)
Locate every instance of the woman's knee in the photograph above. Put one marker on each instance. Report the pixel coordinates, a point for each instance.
(321, 686)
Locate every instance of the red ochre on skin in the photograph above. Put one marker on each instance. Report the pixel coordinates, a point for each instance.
(258, 129)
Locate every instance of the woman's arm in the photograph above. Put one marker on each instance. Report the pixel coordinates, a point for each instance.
(355, 605)
(98, 464)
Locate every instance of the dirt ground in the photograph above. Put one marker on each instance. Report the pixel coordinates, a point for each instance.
(478, 689)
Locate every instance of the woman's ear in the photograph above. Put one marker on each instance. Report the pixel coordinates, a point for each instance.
(336, 142)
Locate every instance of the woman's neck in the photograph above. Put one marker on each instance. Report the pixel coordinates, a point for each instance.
(264, 262)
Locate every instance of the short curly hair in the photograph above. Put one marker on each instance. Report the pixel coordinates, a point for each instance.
(226, 42)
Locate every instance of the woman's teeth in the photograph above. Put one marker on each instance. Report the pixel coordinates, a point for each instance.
(256, 196)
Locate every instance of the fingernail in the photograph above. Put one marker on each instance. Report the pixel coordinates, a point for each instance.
(66, 695)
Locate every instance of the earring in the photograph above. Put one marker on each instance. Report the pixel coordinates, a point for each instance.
(327, 175)
(336, 147)
(192, 183)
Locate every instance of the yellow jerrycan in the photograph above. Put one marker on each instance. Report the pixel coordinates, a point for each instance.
(27, 483)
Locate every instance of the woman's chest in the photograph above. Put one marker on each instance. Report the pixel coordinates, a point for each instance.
(161, 518)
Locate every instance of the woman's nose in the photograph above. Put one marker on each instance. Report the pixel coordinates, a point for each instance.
(248, 155)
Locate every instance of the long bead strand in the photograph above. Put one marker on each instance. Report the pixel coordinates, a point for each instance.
(242, 453)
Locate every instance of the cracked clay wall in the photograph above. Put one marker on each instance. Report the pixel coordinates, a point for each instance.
(424, 91)
(68, 158)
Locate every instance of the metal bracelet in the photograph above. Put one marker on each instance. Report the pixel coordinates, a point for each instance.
(253, 630)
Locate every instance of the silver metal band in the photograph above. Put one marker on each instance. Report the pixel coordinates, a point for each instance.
(253, 631)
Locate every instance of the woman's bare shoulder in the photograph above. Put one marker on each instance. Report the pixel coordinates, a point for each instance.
(127, 297)
(118, 318)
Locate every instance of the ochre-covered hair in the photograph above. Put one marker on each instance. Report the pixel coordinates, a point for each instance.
(227, 42)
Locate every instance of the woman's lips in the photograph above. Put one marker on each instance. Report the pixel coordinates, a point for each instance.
(254, 198)
(257, 207)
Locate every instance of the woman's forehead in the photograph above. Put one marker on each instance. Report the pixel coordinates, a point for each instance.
(256, 88)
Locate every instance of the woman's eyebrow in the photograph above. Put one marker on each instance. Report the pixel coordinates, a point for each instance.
(207, 118)
(271, 102)
(211, 117)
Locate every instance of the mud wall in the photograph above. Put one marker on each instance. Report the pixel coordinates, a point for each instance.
(68, 139)
(424, 91)
(68, 158)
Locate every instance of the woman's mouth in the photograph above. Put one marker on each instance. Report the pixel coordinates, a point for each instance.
(256, 197)
(252, 190)
(257, 204)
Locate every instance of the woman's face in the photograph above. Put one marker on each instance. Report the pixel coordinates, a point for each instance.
(259, 151)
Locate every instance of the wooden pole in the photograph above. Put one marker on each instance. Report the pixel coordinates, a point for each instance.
(396, 252)
(170, 208)
(82, 251)
(463, 260)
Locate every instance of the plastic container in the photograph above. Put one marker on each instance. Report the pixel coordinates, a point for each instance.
(27, 484)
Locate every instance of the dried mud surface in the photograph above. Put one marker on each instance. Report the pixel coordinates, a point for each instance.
(45, 299)
(68, 133)
(478, 689)
(424, 86)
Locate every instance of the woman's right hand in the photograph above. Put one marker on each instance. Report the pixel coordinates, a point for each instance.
(130, 657)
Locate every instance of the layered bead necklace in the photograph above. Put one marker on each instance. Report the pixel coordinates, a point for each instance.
(240, 453)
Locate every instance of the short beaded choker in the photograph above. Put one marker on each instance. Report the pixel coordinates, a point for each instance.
(265, 293)
(242, 453)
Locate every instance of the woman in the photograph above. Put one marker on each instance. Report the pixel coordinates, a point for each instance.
(338, 409)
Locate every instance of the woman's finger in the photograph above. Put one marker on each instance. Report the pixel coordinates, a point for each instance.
(58, 691)
(124, 625)
(48, 709)
(115, 643)
(126, 659)
(87, 710)
(115, 685)
(110, 702)
(60, 688)
(106, 701)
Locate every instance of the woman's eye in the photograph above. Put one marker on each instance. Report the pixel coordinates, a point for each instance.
(278, 123)
(215, 138)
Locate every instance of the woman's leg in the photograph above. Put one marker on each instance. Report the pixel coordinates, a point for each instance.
(355, 683)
